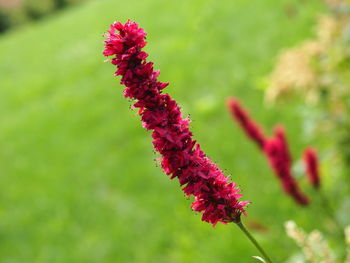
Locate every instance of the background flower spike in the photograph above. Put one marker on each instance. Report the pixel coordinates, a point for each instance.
(275, 149)
(311, 163)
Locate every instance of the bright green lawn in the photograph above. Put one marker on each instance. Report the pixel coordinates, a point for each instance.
(78, 178)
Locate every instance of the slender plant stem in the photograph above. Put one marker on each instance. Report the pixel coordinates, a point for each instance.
(328, 209)
(253, 240)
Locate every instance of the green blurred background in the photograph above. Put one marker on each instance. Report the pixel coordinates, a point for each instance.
(79, 180)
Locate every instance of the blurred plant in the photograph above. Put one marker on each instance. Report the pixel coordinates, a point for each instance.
(37, 10)
(311, 165)
(181, 156)
(248, 125)
(5, 21)
(347, 240)
(17, 12)
(259, 259)
(275, 148)
(64, 3)
(277, 152)
(12, 14)
(318, 70)
(314, 246)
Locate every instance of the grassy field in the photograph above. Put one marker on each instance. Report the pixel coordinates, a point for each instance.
(79, 180)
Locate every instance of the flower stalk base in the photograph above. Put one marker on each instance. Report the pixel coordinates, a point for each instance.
(253, 240)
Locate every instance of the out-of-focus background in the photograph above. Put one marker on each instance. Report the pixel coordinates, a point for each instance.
(78, 178)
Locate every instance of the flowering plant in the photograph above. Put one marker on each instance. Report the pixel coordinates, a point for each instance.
(275, 148)
(181, 157)
(317, 70)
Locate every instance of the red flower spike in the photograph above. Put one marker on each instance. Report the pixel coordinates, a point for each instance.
(241, 116)
(280, 134)
(279, 159)
(275, 149)
(311, 164)
(215, 197)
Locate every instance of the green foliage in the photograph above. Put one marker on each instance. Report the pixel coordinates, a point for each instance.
(327, 93)
(12, 17)
(79, 183)
(5, 22)
(28, 10)
(36, 10)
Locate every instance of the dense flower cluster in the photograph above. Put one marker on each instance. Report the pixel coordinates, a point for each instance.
(181, 156)
(311, 164)
(275, 149)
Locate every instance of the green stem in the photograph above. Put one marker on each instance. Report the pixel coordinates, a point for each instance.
(330, 212)
(253, 240)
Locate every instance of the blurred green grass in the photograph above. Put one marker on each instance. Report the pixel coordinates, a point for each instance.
(79, 180)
